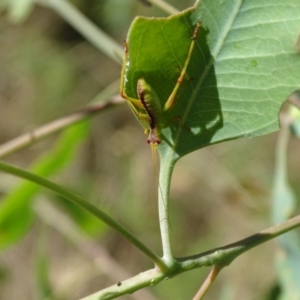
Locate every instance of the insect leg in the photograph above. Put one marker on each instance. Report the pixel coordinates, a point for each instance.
(142, 116)
(171, 99)
(123, 94)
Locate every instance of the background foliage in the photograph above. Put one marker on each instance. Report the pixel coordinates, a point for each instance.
(219, 194)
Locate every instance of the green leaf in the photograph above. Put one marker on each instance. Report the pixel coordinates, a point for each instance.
(16, 215)
(244, 66)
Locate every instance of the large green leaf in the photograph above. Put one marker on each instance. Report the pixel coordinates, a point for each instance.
(243, 68)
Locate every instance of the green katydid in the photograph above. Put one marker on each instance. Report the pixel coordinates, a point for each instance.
(148, 101)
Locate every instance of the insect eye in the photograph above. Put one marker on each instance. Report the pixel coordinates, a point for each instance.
(148, 141)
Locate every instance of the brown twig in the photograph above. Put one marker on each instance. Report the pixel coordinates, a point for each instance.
(208, 282)
(42, 132)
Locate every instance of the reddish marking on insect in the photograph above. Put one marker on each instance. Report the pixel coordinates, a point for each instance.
(153, 138)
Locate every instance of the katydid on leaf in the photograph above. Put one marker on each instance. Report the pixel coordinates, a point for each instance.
(148, 106)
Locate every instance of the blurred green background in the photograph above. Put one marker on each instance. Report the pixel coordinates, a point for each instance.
(218, 195)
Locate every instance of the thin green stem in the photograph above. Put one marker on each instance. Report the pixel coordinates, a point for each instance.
(78, 200)
(168, 8)
(100, 257)
(163, 207)
(225, 255)
(89, 30)
(144, 279)
(218, 257)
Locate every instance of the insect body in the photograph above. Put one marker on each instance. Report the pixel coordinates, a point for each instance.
(148, 102)
(152, 106)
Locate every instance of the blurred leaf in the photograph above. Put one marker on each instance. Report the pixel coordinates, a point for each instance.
(284, 206)
(19, 10)
(242, 69)
(16, 215)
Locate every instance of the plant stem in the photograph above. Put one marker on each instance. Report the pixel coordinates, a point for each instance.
(208, 282)
(144, 279)
(163, 207)
(220, 256)
(164, 6)
(29, 138)
(78, 200)
(89, 30)
(225, 255)
(101, 258)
